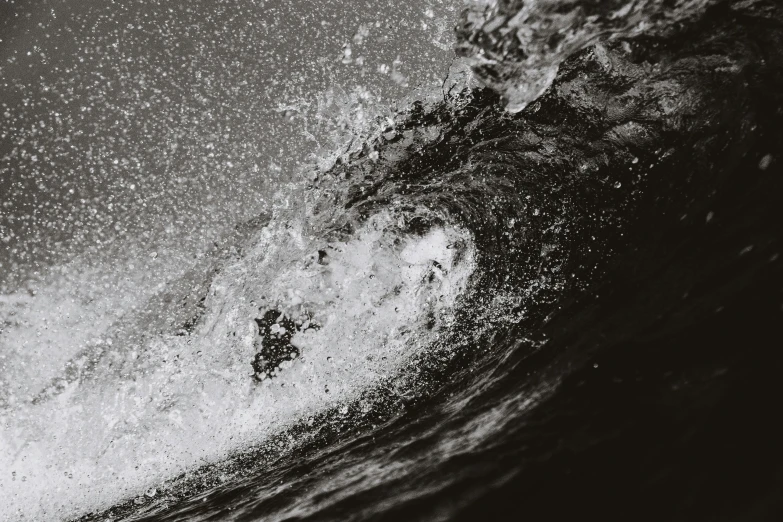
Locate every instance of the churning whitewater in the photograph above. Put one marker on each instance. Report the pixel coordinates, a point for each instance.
(142, 406)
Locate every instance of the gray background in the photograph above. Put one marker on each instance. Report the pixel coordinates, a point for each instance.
(158, 121)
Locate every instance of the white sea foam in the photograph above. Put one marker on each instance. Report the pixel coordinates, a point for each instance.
(147, 412)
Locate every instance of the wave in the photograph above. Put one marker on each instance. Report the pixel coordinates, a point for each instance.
(398, 320)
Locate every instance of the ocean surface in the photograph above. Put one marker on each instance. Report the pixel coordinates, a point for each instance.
(376, 260)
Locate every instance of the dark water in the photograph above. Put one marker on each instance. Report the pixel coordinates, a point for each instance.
(616, 351)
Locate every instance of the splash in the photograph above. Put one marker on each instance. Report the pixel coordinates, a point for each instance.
(143, 413)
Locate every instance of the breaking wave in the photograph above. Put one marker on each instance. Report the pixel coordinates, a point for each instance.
(400, 318)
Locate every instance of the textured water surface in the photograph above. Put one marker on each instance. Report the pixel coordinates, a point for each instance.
(258, 268)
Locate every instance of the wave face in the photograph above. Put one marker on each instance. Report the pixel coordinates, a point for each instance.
(555, 294)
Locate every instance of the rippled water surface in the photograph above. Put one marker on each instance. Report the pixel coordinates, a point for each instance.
(436, 261)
